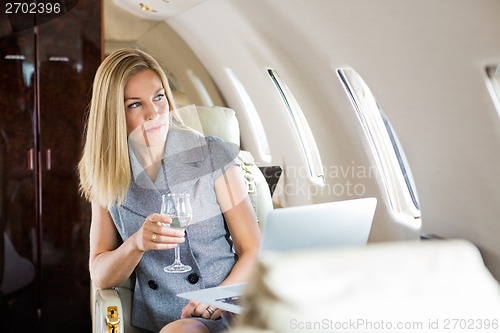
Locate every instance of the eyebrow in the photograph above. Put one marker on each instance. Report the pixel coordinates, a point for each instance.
(136, 98)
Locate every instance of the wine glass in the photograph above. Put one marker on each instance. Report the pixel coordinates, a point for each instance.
(178, 207)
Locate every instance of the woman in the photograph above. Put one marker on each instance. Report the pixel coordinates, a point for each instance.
(137, 149)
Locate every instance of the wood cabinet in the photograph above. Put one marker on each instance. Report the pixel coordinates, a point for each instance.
(45, 84)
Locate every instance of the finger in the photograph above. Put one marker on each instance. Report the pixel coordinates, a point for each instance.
(206, 311)
(189, 309)
(152, 219)
(199, 310)
(211, 313)
(158, 227)
(170, 232)
(159, 219)
(160, 239)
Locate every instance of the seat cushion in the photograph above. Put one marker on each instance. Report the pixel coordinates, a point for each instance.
(212, 120)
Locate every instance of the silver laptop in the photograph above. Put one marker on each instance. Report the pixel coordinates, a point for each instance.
(326, 225)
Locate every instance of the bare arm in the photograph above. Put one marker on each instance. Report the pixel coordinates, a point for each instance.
(111, 262)
(242, 223)
(241, 220)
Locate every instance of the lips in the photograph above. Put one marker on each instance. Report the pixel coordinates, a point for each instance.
(155, 128)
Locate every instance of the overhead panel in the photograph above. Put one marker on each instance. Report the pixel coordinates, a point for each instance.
(156, 9)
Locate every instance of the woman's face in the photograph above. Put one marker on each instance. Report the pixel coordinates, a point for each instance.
(146, 104)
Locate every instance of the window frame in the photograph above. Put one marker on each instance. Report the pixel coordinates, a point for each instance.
(386, 148)
(255, 123)
(493, 84)
(304, 134)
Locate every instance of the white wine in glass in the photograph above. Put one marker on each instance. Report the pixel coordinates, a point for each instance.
(178, 207)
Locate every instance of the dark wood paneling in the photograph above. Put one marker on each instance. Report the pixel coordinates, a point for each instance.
(67, 65)
(18, 190)
(43, 100)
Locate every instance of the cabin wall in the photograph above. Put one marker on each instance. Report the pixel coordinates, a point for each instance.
(423, 61)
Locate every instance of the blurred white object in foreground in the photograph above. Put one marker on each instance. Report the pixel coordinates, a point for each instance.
(428, 286)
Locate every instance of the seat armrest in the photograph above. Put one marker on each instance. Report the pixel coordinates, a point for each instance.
(108, 309)
(117, 299)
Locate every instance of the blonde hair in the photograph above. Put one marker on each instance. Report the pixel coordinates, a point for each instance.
(104, 169)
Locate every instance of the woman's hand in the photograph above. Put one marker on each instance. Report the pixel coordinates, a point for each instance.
(156, 234)
(197, 309)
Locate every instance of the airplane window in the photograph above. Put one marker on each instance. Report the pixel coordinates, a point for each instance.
(254, 122)
(299, 121)
(385, 145)
(174, 83)
(200, 88)
(179, 93)
(493, 81)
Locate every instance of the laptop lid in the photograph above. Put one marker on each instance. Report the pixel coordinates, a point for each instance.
(331, 224)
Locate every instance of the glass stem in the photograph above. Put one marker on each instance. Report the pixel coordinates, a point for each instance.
(177, 254)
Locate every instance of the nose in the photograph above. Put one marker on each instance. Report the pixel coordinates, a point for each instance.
(153, 112)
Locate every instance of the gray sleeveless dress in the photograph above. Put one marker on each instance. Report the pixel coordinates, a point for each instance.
(191, 165)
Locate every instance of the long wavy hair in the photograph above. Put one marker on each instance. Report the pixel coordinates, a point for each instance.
(104, 169)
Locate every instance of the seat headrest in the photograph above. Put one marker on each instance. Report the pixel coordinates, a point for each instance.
(212, 120)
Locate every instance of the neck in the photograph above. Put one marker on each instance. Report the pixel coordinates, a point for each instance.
(150, 159)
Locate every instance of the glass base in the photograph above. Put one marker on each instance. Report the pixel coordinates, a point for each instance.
(177, 267)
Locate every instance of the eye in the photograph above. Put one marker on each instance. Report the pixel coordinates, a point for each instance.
(134, 105)
(159, 97)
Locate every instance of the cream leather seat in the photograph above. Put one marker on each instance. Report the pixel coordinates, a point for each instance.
(222, 122)
(111, 307)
